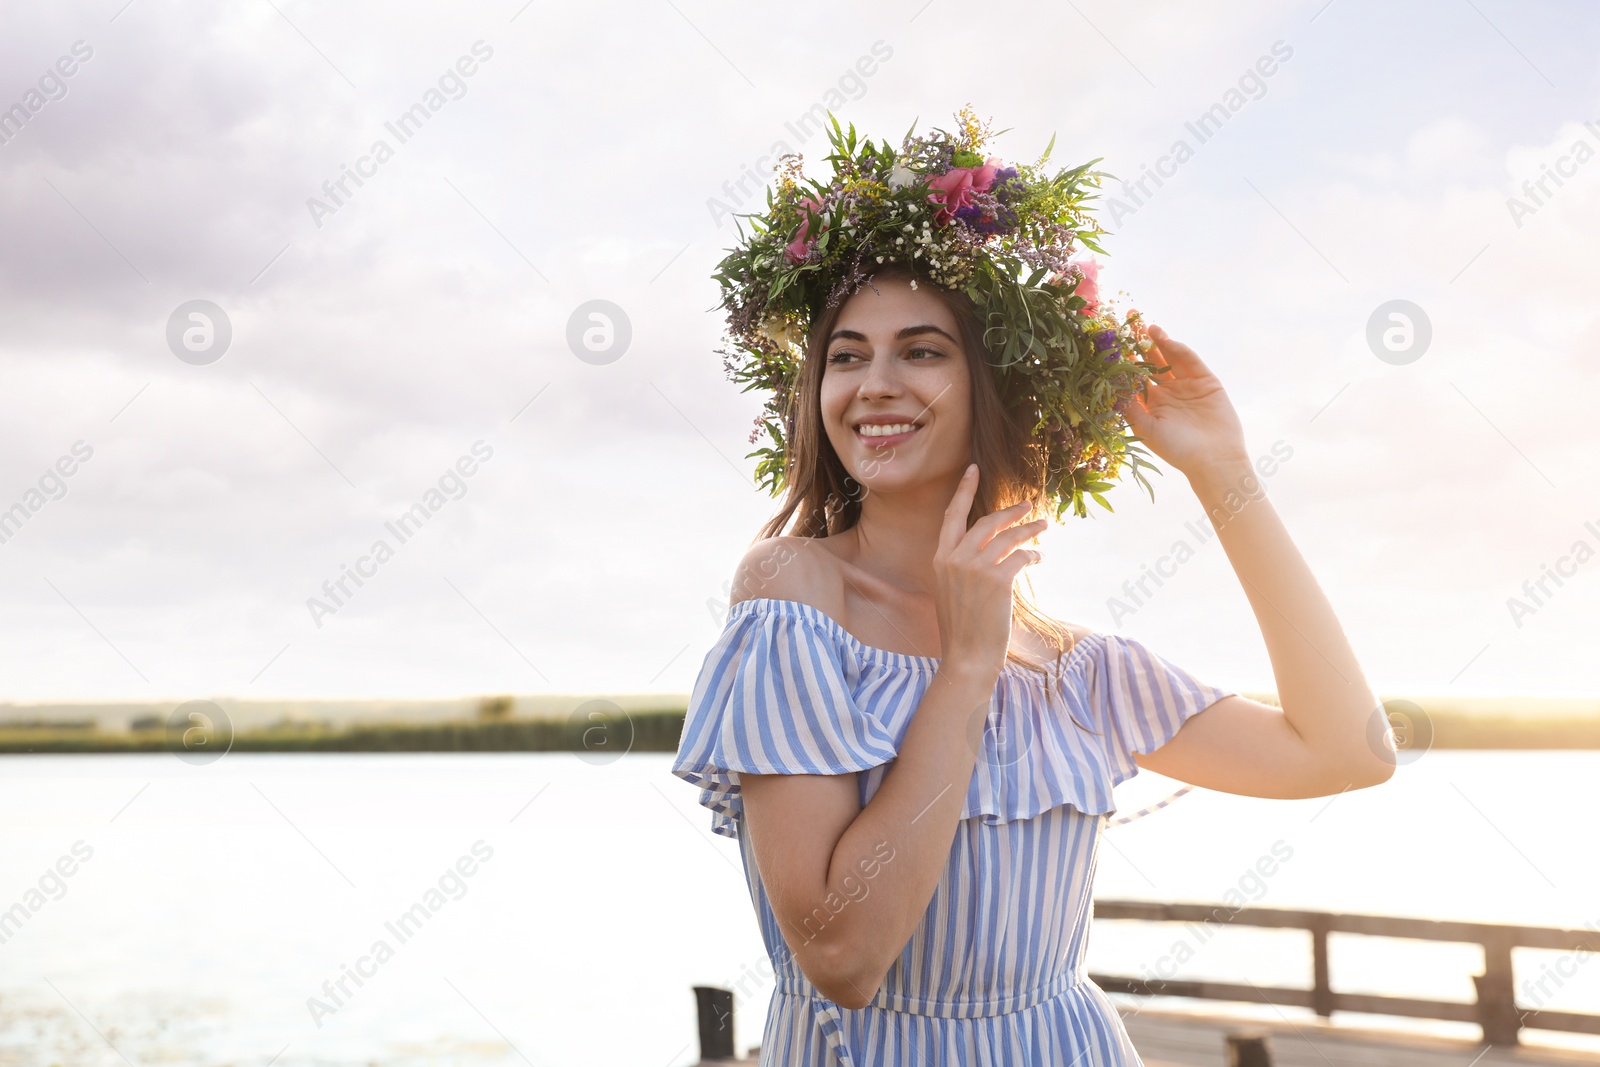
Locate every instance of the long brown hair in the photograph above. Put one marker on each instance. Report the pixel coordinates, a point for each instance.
(822, 498)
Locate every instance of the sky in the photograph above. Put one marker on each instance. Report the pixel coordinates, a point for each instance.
(360, 348)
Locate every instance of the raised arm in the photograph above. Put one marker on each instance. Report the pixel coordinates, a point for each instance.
(1330, 733)
(848, 883)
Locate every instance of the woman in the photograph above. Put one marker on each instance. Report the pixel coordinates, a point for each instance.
(917, 765)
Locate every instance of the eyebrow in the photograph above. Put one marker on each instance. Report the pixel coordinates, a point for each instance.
(908, 331)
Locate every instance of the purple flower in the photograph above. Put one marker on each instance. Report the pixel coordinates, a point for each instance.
(988, 217)
(1104, 340)
(979, 222)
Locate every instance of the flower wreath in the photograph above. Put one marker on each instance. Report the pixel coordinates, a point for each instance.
(1002, 232)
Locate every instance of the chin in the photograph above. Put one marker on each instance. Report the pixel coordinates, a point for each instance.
(889, 480)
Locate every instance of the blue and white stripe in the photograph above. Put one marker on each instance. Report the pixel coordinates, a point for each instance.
(995, 973)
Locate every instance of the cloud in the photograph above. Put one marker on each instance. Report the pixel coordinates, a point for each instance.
(433, 306)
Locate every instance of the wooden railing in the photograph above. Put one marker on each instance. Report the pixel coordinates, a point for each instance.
(1496, 1009)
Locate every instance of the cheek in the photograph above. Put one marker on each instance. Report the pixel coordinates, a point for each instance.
(953, 405)
(832, 391)
(833, 400)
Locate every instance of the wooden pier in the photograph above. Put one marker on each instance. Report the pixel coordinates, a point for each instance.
(1214, 1038)
(1201, 1039)
(1499, 1017)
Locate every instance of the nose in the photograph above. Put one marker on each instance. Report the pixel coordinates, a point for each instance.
(881, 378)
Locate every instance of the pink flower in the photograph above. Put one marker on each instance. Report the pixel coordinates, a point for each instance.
(953, 189)
(1088, 285)
(797, 248)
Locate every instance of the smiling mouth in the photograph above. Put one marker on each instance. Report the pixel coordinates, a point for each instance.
(879, 435)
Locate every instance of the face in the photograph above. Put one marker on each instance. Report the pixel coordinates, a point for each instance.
(896, 388)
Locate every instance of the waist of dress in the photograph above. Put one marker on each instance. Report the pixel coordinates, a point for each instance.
(797, 985)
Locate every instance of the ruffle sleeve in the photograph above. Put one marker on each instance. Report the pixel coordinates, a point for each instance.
(774, 696)
(1140, 700)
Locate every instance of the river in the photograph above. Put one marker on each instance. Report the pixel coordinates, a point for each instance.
(543, 909)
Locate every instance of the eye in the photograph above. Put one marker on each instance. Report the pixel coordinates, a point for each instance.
(844, 354)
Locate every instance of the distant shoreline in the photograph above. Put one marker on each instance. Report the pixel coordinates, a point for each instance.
(601, 726)
(655, 731)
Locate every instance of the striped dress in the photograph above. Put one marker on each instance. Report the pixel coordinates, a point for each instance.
(995, 972)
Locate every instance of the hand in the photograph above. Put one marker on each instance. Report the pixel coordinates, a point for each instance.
(1185, 417)
(974, 572)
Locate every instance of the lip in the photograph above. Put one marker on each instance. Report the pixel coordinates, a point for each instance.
(885, 417)
(888, 440)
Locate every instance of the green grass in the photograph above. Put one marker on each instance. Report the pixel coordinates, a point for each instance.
(649, 731)
(1456, 725)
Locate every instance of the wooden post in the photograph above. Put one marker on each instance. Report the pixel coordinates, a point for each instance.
(1497, 996)
(1321, 986)
(1248, 1049)
(715, 1007)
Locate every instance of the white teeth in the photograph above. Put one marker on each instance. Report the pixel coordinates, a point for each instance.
(867, 429)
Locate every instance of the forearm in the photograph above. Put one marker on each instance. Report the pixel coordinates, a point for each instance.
(1321, 687)
(914, 813)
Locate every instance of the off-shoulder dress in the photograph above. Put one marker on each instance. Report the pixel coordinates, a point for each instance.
(995, 973)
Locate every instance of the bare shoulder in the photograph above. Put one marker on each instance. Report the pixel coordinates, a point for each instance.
(1072, 634)
(789, 568)
(1078, 631)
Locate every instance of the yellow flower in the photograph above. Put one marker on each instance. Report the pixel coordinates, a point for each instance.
(971, 133)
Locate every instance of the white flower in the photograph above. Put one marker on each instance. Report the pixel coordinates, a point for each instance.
(782, 332)
(901, 176)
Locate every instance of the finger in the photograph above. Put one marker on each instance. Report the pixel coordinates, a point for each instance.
(1135, 413)
(954, 527)
(1185, 361)
(989, 526)
(1012, 565)
(1012, 537)
(1160, 359)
